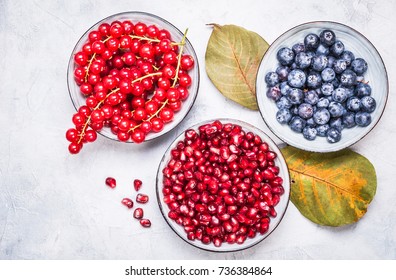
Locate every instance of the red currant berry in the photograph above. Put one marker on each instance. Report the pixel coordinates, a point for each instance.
(183, 93)
(185, 80)
(81, 58)
(151, 107)
(137, 89)
(146, 68)
(104, 29)
(107, 111)
(175, 106)
(117, 62)
(152, 31)
(87, 48)
(125, 42)
(186, 62)
(98, 47)
(139, 114)
(128, 27)
(145, 127)
(90, 135)
(137, 102)
(165, 45)
(170, 58)
(79, 73)
(72, 135)
(140, 29)
(84, 110)
(124, 124)
(91, 102)
(94, 36)
(125, 86)
(106, 54)
(97, 115)
(96, 67)
(157, 124)
(148, 83)
(164, 83)
(123, 136)
(166, 115)
(146, 51)
(138, 136)
(129, 58)
(109, 82)
(168, 71)
(116, 30)
(75, 148)
(78, 119)
(135, 46)
(164, 34)
(113, 44)
(160, 94)
(93, 79)
(97, 125)
(173, 94)
(100, 95)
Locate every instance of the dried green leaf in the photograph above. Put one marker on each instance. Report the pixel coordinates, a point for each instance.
(232, 58)
(332, 189)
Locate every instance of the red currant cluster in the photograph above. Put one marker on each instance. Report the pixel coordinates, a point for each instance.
(134, 78)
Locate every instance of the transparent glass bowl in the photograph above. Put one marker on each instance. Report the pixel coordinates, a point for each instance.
(280, 208)
(176, 35)
(353, 41)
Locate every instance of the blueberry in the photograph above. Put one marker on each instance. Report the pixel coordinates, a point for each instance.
(271, 79)
(283, 103)
(295, 95)
(337, 48)
(340, 65)
(323, 102)
(282, 72)
(322, 129)
(311, 41)
(340, 94)
(296, 78)
(336, 109)
(348, 56)
(330, 61)
(283, 116)
(284, 88)
(297, 48)
(349, 120)
(353, 104)
(359, 65)
(349, 91)
(303, 60)
(297, 124)
(319, 62)
(335, 82)
(322, 49)
(362, 89)
(328, 74)
(337, 123)
(274, 93)
(321, 116)
(327, 89)
(311, 122)
(314, 80)
(362, 118)
(311, 97)
(294, 110)
(285, 56)
(333, 135)
(327, 37)
(305, 110)
(348, 78)
(309, 133)
(368, 104)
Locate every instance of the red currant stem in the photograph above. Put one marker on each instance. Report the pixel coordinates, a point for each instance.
(89, 118)
(146, 76)
(179, 57)
(143, 38)
(89, 66)
(152, 116)
(105, 40)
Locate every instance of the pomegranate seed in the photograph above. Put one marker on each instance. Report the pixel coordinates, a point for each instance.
(142, 198)
(138, 213)
(127, 202)
(111, 182)
(145, 223)
(137, 184)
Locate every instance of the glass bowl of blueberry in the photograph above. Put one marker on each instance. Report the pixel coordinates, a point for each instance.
(322, 86)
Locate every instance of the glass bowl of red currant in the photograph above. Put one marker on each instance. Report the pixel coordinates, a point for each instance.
(132, 77)
(223, 185)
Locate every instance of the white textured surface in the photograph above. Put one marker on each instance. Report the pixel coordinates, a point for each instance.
(55, 206)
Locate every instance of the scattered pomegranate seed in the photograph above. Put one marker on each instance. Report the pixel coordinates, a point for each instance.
(111, 182)
(222, 184)
(127, 202)
(145, 223)
(142, 198)
(137, 184)
(138, 213)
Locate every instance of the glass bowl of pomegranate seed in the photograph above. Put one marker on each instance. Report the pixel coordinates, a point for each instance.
(223, 185)
(132, 77)
(322, 86)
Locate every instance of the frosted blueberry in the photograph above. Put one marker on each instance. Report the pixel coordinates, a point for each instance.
(272, 79)
(305, 111)
(327, 89)
(337, 123)
(311, 41)
(336, 109)
(348, 56)
(283, 72)
(333, 135)
(327, 37)
(297, 48)
(353, 104)
(319, 62)
(348, 78)
(311, 97)
(359, 66)
(362, 118)
(303, 60)
(328, 74)
(322, 50)
(337, 48)
(284, 88)
(362, 89)
(368, 104)
(274, 93)
(296, 78)
(322, 130)
(321, 116)
(297, 124)
(314, 80)
(323, 102)
(349, 120)
(339, 95)
(340, 65)
(283, 116)
(309, 133)
(295, 95)
(285, 56)
(283, 103)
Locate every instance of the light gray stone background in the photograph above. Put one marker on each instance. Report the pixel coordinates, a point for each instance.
(55, 206)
